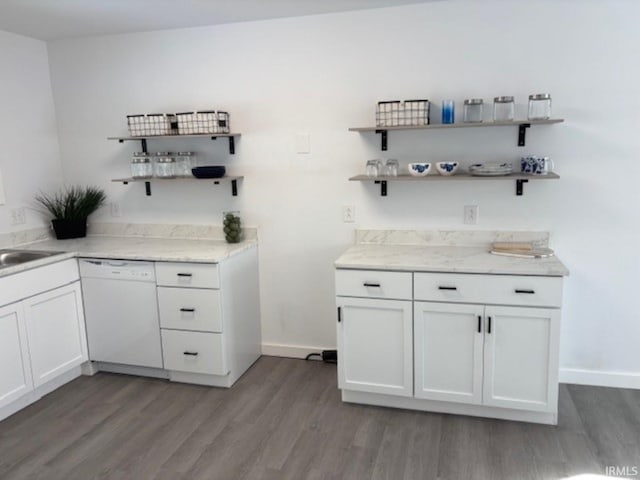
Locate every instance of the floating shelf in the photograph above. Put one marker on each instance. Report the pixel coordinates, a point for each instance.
(520, 179)
(212, 136)
(216, 181)
(521, 124)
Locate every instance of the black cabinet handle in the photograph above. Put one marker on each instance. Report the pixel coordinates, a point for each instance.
(339, 314)
(489, 326)
(530, 292)
(372, 285)
(447, 288)
(188, 310)
(479, 323)
(184, 274)
(191, 354)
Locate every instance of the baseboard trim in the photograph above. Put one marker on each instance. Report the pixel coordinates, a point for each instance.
(599, 378)
(290, 351)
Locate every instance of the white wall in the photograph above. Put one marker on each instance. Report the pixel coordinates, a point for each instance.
(29, 153)
(323, 74)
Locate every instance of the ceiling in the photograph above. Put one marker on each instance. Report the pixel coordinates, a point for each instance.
(56, 19)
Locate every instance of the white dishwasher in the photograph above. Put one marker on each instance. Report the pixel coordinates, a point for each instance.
(121, 311)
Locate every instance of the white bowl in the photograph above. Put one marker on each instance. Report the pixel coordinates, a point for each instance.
(447, 168)
(419, 169)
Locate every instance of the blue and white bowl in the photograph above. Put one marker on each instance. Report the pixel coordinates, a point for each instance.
(419, 169)
(447, 168)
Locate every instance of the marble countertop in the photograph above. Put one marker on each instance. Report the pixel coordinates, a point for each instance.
(132, 248)
(452, 259)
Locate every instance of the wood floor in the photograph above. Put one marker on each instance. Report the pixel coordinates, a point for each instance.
(284, 420)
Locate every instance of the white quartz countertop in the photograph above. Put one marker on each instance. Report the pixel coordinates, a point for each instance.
(132, 248)
(456, 259)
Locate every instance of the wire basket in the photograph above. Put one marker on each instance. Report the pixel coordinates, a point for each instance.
(203, 122)
(395, 113)
(152, 124)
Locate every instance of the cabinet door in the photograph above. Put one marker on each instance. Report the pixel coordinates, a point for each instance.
(55, 328)
(521, 358)
(375, 346)
(15, 369)
(448, 342)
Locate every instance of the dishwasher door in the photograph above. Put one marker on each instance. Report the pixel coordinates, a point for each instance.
(121, 311)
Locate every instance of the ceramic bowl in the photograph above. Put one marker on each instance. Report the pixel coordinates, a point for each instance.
(419, 169)
(447, 168)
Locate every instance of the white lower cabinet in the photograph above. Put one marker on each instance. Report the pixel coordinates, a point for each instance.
(455, 356)
(374, 338)
(15, 366)
(56, 332)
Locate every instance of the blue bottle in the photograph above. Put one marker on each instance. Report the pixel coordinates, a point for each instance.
(448, 111)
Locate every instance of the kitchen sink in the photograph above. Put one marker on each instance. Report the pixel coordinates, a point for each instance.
(9, 258)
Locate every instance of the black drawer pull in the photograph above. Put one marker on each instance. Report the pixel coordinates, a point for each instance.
(184, 274)
(447, 288)
(479, 323)
(489, 326)
(190, 310)
(377, 285)
(191, 354)
(339, 314)
(530, 292)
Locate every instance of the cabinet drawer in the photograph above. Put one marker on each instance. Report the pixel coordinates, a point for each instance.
(374, 284)
(194, 352)
(492, 289)
(190, 309)
(196, 275)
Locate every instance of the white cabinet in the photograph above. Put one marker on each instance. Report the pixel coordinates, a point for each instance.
(15, 367)
(56, 332)
(448, 347)
(374, 338)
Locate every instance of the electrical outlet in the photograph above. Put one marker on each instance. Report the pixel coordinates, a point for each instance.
(348, 213)
(18, 216)
(115, 209)
(471, 214)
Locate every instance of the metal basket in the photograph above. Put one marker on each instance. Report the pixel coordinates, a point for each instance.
(203, 122)
(395, 113)
(152, 124)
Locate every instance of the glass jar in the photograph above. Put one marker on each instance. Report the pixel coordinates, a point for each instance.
(184, 164)
(448, 112)
(141, 166)
(390, 168)
(164, 165)
(373, 168)
(473, 110)
(540, 106)
(232, 226)
(504, 109)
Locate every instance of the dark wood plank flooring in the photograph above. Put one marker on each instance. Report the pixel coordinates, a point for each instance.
(284, 420)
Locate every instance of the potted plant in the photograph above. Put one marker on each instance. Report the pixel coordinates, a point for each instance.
(70, 209)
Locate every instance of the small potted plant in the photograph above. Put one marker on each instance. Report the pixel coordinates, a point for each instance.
(70, 209)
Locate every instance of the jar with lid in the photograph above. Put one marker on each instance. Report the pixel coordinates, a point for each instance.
(473, 110)
(540, 106)
(164, 165)
(232, 226)
(184, 164)
(141, 166)
(504, 109)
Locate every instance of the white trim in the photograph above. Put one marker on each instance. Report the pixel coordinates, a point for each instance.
(600, 378)
(290, 351)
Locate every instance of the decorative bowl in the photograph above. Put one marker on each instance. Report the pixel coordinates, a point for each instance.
(210, 171)
(419, 169)
(447, 168)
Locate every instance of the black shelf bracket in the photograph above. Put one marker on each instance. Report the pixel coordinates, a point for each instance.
(383, 187)
(234, 187)
(232, 144)
(522, 133)
(147, 188)
(519, 183)
(383, 139)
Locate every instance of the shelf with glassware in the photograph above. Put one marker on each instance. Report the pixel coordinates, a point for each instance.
(233, 179)
(520, 178)
(521, 124)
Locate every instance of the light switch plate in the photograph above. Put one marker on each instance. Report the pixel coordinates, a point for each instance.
(303, 143)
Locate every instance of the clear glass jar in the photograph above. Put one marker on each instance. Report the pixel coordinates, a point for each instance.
(141, 166)
(373, 168)
(390, 168)
(164, 165)
(473, 110)
(540, 106)
(504, 109)
(184, 163)
(232, 226)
